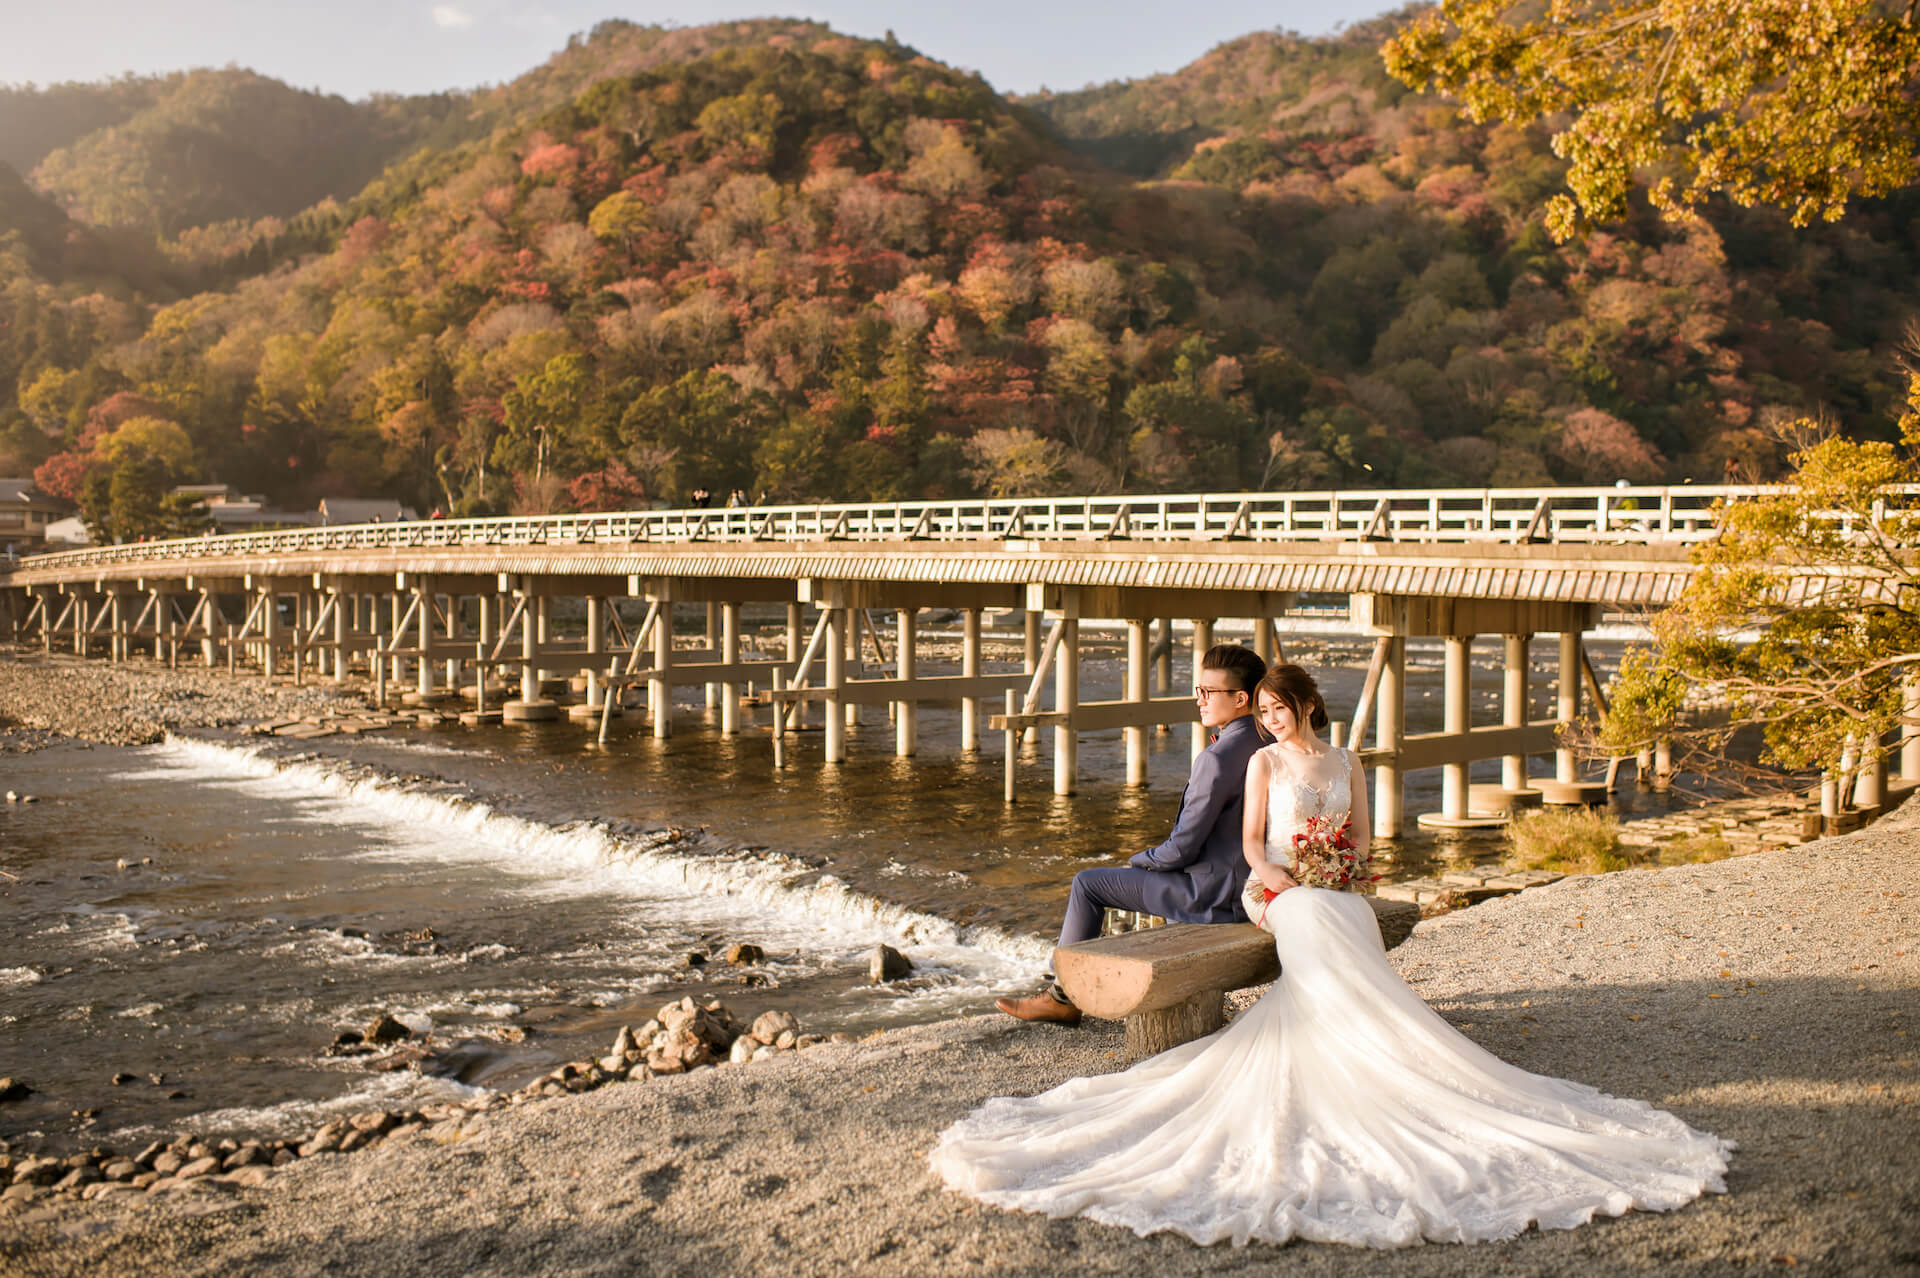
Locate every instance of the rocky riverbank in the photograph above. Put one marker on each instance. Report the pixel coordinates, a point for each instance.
(684, 1036)
(1767, 998)
(43, 698)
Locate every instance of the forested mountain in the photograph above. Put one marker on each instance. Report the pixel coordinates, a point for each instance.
(1269, 79)
(763, 255)
(210, 145)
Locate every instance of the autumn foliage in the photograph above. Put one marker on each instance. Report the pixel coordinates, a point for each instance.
(769, 257)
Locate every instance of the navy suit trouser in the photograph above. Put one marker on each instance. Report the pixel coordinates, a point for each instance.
(1117, 887)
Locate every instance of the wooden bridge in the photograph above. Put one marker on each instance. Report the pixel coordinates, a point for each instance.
(444, 604)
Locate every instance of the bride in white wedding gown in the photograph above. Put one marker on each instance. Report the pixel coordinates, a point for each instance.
(1338, 1108)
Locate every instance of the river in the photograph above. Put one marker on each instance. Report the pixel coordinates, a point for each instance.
(210, 912)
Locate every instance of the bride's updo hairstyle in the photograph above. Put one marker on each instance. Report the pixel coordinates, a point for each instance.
(1295, 689)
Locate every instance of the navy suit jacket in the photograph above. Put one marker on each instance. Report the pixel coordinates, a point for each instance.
(1202, 863)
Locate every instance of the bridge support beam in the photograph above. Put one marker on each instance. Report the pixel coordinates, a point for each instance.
(531, 707)
(729, 655)
(836, 679)
(423, 598)
(1391, 717)
(660, 688)
(711, 691)
(342, 626)
(1066, 697)
(1909, 732)
(596, 606)
(906, 710)
(1456, 720)
(1513, 708)
(1202, 640)
(970, 669)
(1136, 736)
(1567, 705)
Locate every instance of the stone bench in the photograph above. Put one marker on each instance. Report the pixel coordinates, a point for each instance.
(1169, 984)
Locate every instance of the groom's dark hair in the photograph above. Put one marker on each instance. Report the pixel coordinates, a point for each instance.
(1244, 664)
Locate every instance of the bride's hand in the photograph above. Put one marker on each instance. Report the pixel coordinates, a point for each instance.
(1278, 881)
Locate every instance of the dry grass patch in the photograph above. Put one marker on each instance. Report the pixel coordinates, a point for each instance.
(1568, 840)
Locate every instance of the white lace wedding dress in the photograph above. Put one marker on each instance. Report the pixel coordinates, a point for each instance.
(1338, 1108)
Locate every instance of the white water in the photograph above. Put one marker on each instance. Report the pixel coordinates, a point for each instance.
(771, 899)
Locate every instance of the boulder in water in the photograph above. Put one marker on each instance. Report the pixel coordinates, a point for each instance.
(387, 1030)
(887, 964)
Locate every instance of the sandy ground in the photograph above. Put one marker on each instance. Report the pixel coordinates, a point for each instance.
(1770, 998)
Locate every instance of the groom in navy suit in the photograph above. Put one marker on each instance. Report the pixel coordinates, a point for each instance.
(1196, 875)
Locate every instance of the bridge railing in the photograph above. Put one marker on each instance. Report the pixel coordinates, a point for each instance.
(1608, 515)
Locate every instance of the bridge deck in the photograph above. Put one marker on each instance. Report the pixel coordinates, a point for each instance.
(1624, 546)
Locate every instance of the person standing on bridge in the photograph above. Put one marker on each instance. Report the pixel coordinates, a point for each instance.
(1195, 876)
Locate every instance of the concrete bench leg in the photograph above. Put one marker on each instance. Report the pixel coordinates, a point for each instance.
(1150, 1033)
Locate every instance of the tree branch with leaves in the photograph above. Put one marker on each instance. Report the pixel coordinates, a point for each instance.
(1795, 104)
(1803, 618)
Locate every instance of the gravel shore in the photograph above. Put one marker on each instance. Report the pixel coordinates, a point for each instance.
(1768, 998)
(42, 697)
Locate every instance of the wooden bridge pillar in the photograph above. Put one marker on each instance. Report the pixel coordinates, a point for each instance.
(730, 656)
(1513, 710)
(488, 626)
(970, 668)
(660, 688)
(850, 710)
(836, 678)
(1390, 715)
(166, 629)
(796, 715)
(596, 648)
(1066, 696)
(1202, 640)
(423, 639)
(343, 611)
(1162, 653)
(1565, 766)
(116, 625)
(531, 707)
(711, 691)
(1029, 650)
(1909, 731)
(1136, 736)
(905, 711)
(391, 634)
(270, 630)
(1457, 720)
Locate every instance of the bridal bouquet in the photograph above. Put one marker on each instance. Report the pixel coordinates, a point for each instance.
(1324, 857)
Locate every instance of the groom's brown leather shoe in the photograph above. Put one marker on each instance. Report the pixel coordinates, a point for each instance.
(1040, 1007)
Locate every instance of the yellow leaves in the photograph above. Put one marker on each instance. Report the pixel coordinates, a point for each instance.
(1798, 103)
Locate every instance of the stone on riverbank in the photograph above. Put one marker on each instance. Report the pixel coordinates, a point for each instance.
(13, 1089)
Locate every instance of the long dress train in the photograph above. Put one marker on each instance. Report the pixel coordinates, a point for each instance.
(1338, 1108)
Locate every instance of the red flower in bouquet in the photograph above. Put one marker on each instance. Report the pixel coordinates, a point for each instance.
(1325, 857)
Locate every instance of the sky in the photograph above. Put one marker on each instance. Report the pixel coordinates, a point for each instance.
(359, 47)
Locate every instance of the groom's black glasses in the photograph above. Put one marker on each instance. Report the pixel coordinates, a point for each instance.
(1201, 691)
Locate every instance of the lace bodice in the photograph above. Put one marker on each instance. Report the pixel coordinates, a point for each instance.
(1293, 799)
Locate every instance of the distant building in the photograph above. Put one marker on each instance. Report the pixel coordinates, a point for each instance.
(363, 510)
(68, 533)
(25, 513)
(226, 509)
